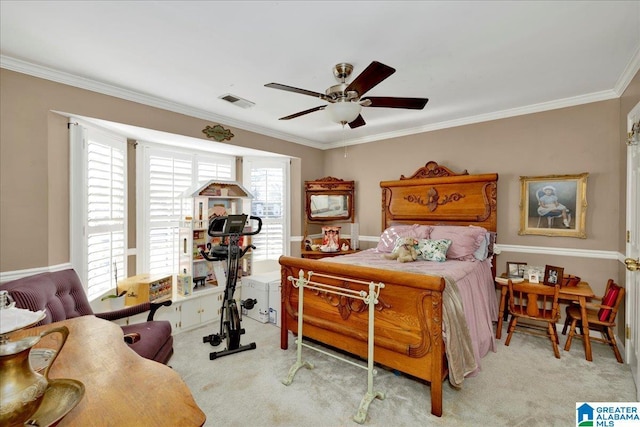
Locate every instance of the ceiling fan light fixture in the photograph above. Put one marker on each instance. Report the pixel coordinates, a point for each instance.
(343, 112)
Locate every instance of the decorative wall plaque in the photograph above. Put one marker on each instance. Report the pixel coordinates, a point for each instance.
(217, 133)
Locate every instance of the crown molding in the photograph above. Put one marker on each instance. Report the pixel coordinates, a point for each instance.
(504, 114)
(51, 74)
(39, 71)
(629, 73)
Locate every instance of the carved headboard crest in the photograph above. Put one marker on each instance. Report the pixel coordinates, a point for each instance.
(433, 170)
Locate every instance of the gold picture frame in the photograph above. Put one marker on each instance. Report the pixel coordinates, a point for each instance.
(553, 205)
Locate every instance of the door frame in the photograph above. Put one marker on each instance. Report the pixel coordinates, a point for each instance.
(632, 279)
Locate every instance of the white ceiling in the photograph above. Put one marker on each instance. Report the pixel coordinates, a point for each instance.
(474, 60)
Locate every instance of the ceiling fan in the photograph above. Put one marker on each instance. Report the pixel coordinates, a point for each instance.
(345, 99)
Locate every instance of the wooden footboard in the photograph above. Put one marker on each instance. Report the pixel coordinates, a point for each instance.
(408, 318)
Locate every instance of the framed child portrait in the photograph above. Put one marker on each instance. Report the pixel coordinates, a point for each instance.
(553, 275)
(553, 205)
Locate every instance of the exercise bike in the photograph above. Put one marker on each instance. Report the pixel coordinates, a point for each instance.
(230, 228)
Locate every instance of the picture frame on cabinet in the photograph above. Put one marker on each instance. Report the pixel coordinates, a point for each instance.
(553, 205)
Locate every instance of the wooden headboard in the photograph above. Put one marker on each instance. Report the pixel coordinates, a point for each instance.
(434, 195)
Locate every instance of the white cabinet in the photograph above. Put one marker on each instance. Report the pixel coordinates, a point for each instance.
(185, 313)
(200, 310)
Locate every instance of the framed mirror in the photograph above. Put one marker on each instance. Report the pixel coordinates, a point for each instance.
(329, 206)
(329, 199)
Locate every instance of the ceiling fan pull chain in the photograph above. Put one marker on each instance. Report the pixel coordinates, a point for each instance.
(344, 138)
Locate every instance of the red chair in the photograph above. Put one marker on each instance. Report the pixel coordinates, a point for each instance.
(601, 317)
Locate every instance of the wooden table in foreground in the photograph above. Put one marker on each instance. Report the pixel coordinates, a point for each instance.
(580, 293)
(121, 388)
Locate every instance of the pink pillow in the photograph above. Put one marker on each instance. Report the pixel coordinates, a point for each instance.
(465, 240)
(390, 235)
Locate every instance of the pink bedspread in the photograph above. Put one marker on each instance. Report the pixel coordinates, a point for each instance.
(475, 286)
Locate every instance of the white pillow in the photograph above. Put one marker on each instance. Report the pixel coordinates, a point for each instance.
(433, 250)
(483, 251)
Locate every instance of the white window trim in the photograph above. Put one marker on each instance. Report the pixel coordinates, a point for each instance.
(78, 134)
(284, 162)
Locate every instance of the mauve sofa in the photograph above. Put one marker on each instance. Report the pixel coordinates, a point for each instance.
(61, 296)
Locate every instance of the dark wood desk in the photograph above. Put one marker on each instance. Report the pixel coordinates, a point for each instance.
(121, 388)
(580, 293)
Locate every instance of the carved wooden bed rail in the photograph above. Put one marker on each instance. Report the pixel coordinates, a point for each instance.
(408, 326)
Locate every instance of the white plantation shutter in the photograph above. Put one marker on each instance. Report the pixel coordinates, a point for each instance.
(165, 176)
(169, 177)
(210, 169)
(98, 208)
(268, 183)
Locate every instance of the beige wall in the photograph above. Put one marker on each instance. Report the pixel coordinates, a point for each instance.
(572, 140)
(565, 141)
(34, 162)
(588, 138)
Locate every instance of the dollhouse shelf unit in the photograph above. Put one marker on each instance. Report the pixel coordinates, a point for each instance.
(199, 205)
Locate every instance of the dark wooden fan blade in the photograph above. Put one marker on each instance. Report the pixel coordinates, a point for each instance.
(302, 113)
(359, 121)
(370, 77)
(391, 102)
(296, 90)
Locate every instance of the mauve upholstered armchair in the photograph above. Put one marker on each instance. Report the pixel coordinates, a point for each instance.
(61, 295)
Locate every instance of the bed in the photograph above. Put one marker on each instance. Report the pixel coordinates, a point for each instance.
(424, 304)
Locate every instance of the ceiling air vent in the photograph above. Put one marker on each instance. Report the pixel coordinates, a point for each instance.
(236, 100)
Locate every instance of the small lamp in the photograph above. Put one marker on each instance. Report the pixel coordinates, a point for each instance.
(343, 112)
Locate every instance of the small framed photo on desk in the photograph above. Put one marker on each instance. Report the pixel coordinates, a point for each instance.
(553, 275)
(516, 269)
(534, 276)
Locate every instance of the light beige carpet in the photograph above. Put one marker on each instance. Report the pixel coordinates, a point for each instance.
(519, 385)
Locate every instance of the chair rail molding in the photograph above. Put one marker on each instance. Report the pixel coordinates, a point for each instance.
(7, 276)
(571, 252)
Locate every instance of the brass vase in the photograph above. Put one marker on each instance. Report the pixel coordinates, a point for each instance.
(22, 388)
